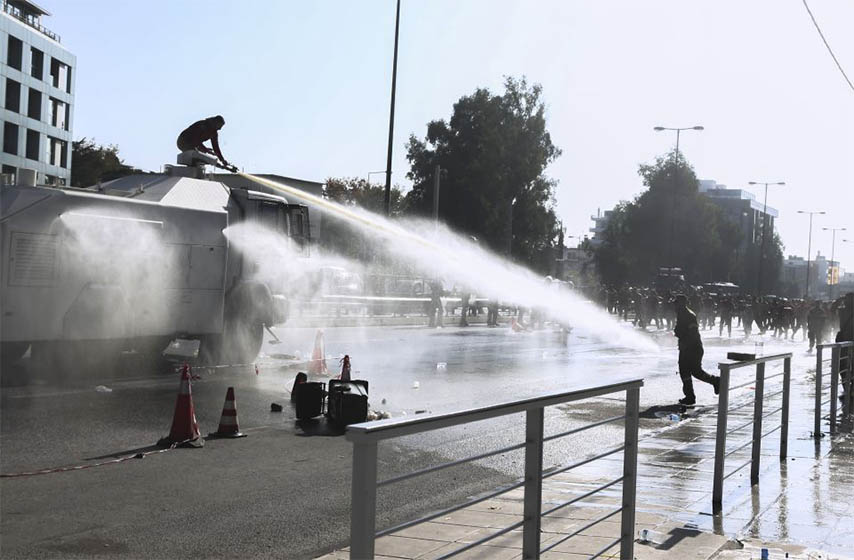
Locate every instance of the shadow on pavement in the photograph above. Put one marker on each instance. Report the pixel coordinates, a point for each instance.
(314, 427)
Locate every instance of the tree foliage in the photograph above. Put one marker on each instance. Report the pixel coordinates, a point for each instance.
(91, 163)
(337, 234)
(672, 224)
(492, 151)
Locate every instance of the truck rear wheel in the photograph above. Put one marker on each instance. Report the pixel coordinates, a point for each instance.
(239, 344)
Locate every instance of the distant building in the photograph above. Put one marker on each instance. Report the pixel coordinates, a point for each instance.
(37, 85)
(311, 187)
(742, 209)
(600, 223)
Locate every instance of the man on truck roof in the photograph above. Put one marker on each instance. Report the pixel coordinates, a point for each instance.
(194, 137)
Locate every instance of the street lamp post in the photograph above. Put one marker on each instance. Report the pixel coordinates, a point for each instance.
(391, 115)
(832, 255)
(764, 224)
(809, 249)
(675, 186)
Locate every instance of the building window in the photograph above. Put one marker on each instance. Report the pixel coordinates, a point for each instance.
(58, 114)
(60, 75)
(13, 95)
(15, 53)
(33, 144)
(34, 106)
(9, 174)
(10, 138)
(58, 154)
(37, 67)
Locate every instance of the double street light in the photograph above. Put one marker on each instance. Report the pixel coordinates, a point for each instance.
(764, 224)
(832, 256)
(809, 248)
(675, 185)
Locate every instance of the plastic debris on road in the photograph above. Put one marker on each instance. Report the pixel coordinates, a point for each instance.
(416, 384)
(103, 389)
(442, 365)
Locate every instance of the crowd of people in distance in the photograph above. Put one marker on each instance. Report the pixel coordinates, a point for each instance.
(784, 318)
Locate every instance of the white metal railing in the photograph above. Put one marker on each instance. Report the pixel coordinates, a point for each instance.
(755, 441)
(366, 436)
(841, 354)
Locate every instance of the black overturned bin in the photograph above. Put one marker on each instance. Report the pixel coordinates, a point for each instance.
(308, 399)
(348, 401)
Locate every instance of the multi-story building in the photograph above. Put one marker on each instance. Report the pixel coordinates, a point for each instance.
(600, 223)
(37, 85)
(742, 209)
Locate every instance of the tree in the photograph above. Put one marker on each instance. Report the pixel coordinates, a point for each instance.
(492, 151)
(672, 224)
(91, 163)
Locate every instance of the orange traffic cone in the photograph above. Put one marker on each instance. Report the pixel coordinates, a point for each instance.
(318, 356)
(185, 429)
(228, 421)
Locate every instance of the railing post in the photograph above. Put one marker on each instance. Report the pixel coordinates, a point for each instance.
(756, 448)
(533, 483)
(784, 420)
(630, 474)
(847, 384)
(720, 439)
(818, 384)
(364, 502)
(834, 386)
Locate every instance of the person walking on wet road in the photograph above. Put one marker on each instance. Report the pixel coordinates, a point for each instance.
(690, 352)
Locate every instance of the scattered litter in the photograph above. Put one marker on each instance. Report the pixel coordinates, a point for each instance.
(420, 411)
(442, 365)
(384, 415)
(494, 507)
(103, 389)
(416, 384)
(275, 407)
(371, 416)
(673, 417)
(383, 401)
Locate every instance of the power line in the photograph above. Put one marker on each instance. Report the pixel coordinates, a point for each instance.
(812, 17)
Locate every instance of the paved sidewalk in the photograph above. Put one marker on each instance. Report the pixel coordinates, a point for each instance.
(803, 506)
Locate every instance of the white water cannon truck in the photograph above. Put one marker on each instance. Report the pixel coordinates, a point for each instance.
(135, 263)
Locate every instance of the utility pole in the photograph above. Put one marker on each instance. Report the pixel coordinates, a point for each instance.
(391, 116)
(764, 224)
(437, 171)
(834, 272)
(809, 249)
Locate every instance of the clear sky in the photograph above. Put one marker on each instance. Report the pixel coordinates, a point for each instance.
(304, 88)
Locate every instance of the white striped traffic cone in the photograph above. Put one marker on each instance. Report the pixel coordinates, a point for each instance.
(228, 427)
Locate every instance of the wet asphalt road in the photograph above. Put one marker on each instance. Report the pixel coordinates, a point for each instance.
(284, 491)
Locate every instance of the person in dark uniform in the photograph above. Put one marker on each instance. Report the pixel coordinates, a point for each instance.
(815, 324)
(690, 352)
(194, 137)
(845, 334)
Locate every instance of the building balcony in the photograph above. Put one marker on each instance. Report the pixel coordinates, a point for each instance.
(32, 20)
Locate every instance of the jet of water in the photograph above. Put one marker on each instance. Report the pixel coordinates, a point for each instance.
(440, 252)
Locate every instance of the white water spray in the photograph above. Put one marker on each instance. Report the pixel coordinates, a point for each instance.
(438, 251)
